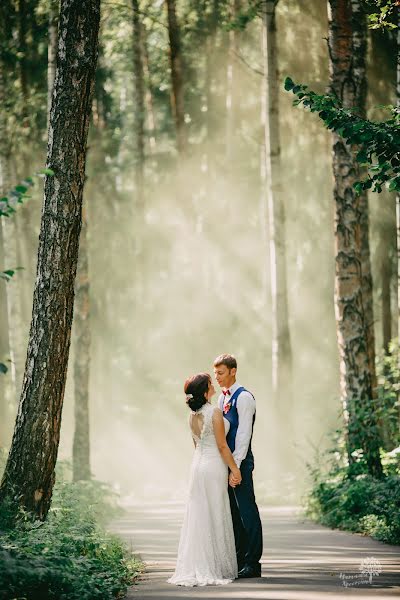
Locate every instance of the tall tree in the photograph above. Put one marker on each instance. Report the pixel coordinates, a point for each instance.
(139, 145)
(51, 51)
(176, 64)
(8, 225)
(232, 89)
(29, 474)
(81, 334)
(398, 193)
(347, 46)
(281, 342)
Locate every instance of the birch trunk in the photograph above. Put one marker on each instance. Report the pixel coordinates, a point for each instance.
(347, 80)
(281, 343)
(29, 475)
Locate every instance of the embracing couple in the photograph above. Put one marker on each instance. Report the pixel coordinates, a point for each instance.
(221, 537)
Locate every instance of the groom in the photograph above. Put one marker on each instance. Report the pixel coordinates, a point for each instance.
(239, 408)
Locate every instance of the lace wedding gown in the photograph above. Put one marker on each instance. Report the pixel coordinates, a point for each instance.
(206, 553)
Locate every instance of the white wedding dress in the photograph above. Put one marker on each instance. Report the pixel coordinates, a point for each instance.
(206, 553)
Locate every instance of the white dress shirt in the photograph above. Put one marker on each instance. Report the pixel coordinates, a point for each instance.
(246, 407)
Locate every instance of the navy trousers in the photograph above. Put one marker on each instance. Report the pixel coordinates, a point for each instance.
(246, 518)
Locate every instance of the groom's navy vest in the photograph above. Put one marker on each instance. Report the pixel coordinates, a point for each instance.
(233, 417)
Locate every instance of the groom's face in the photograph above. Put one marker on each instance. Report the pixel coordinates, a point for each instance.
(225, 377)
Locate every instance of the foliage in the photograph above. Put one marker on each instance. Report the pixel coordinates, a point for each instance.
(70, 556)
(382, 19)
(379, 143)
(388, 405)
(362, 504)
(343, 495)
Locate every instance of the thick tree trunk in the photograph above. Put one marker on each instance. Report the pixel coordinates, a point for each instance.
(177, 96)
(81, 333)
(347, 46)
(281, 343)
(29, 474)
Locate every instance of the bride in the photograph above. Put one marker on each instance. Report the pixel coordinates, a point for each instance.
(206, 553)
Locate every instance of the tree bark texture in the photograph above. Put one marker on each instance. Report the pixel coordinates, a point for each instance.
(177, 95)
(352, 307)
(29, 474)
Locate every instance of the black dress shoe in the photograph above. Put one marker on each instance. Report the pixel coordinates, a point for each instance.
(249, 572)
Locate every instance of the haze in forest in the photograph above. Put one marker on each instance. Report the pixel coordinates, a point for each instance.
(206, 283)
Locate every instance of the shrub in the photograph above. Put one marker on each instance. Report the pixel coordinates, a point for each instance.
(70, 555)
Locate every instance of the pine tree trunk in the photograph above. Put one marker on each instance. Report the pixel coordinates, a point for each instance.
(81, 334)
(175, 54)
(29, 474)
(281, 343)
(352, 305)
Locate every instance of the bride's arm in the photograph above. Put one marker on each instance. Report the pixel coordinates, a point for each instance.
(219, 432)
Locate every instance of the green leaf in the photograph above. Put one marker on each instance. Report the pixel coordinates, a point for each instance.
(21, 189)
(289, 84)
(3, 368)
(362, 157)
(46, 171)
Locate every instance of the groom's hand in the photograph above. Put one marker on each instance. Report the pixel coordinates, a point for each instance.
(233, 481)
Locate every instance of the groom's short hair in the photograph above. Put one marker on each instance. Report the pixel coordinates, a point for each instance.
(226, 359)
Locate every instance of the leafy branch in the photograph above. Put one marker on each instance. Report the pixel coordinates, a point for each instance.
(378, 143)
(381, 19)
(9, 204)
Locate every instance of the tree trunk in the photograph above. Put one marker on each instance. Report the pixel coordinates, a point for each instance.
(151, 120)
(177, 97)
(81, 332)
(52, 52)
(347, 46)
(232, 90)
(9, 240)
(281, 343)
(387, 241)
(398, 193)
(29, 474)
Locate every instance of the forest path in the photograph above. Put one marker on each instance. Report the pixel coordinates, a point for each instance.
(301, 560)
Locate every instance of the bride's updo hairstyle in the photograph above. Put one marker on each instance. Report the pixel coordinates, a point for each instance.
(195, 389)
